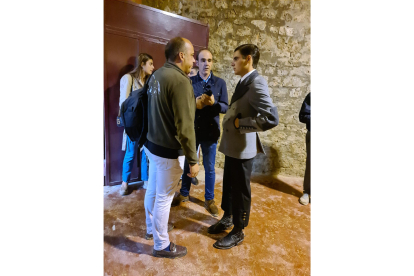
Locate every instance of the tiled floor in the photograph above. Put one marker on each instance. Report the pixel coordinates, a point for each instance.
(277, 239)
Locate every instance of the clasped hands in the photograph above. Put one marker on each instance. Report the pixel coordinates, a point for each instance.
(204, 100)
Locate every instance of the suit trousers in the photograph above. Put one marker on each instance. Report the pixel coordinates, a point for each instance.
(236, 189)
(307, 180)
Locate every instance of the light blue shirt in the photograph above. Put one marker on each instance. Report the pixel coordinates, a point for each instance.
(206, 79)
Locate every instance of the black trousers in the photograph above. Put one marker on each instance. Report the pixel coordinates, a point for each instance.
(307, 180)
(236, 189)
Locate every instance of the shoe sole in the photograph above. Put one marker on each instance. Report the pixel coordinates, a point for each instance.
(228, 247)
(168, 257)
(221, 231)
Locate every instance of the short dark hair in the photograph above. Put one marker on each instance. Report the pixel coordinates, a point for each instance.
(204, 49)
(249, 49)
(174, 47)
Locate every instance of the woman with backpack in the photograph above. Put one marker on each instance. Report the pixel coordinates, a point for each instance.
(129, 82)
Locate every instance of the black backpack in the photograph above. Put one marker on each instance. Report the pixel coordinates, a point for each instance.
(134, 115)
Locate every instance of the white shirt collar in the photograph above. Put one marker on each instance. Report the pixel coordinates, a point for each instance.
(246, 75)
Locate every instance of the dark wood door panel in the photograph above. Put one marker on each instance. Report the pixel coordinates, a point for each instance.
(156, 50)
(154, 24)
(120, 58)
(130, 29)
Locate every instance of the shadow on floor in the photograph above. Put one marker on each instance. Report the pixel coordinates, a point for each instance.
(123, 243)
(197, 201)
(276, 184)
(135, 186)
(188, 219)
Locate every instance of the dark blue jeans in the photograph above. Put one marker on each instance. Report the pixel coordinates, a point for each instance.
(209, 159)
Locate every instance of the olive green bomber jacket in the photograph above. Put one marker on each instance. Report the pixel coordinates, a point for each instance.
(171, 111)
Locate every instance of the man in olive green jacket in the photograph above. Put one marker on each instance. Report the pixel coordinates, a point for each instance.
(171, 109)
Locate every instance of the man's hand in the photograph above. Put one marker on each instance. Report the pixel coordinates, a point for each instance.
(208, 100)
(193, 170)
(199, 102)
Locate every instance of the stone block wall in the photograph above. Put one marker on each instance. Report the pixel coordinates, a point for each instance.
(281, 30)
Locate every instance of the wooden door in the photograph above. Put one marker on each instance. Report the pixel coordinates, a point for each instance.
(130, 29)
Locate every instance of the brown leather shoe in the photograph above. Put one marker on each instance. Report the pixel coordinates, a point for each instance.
(211, 207)
(178, 199)
(177, 251)
(150, 236)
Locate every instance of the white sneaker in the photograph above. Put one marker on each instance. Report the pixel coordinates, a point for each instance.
(145, 185)
(304, 200)
(124, 189)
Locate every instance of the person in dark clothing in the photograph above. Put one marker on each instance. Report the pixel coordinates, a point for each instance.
(207, 127)
(305, 117)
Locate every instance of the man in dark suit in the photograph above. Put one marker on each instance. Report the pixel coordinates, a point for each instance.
(251, 110)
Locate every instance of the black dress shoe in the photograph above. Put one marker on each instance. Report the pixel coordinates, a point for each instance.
(194, 181)
(225, 223)
(232, 239)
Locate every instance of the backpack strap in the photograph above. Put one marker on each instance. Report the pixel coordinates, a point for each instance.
(132, 84)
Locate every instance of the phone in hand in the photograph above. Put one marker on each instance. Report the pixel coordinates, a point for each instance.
(207, 90)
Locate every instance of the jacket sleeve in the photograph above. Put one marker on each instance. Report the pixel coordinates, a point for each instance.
(125, 88)
(184, 106)
(267, 112)
(304, 113)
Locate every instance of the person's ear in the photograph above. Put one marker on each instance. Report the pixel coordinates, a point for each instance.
(181, 55)
(197, 63)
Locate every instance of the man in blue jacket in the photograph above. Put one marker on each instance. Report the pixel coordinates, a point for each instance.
(211, 94)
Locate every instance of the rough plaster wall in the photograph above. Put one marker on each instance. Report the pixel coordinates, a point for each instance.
(281, 30)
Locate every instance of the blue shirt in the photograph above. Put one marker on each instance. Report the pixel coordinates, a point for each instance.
(206, 81)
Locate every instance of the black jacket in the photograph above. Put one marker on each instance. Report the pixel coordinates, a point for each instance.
(207, 127)
(304, 114)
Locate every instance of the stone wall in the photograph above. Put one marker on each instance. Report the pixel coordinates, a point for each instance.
(281, 30)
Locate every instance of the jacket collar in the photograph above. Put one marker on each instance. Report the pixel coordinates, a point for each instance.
(212, 77)
(171, 65)
(243, 87)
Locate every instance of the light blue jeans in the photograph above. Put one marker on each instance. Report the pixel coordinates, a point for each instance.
(130, 154)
